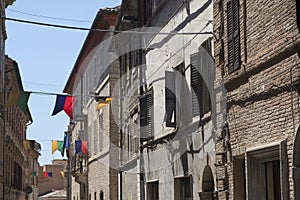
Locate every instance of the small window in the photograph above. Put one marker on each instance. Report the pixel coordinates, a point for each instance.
(233, 35)
(183, 188)
(152, 190)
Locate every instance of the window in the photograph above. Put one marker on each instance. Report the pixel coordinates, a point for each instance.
(183, 188)
(200, 94)
(233, 35)
(268, 173)
(170, 99)
(152, 190)
(146, 116)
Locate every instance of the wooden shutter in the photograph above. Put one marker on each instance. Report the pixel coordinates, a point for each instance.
(170, 99)
(233, 34)
(195, 85)
(146, 112)
(298, 13)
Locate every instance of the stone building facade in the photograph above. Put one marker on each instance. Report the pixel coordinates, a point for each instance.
(257, 49)
(16, 154)
(95, 74)
(169, 121)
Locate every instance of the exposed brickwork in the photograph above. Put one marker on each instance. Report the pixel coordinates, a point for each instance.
(261, 107)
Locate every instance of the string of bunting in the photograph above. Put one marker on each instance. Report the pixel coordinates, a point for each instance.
(64, 102)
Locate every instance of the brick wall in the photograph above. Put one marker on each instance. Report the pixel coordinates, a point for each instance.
(260, 105)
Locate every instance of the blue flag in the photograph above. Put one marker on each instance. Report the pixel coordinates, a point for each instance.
(77, 146)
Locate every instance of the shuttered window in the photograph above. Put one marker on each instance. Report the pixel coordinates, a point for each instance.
(170, 99)
(298, 13)
(201, 103)
(234, 58)
(146, 116)
(196, 85)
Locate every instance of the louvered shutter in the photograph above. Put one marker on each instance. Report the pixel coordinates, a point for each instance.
(170, 99)
(146, 112)
(298, 13)
(233, 35)
(236, 35)
(195, 84)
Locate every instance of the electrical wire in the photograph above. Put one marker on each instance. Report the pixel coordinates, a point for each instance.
(48, 17)
(102, 30)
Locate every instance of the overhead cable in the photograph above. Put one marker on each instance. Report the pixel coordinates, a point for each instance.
(104, 30)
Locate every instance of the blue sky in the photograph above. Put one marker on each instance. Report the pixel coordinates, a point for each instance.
(46, 57)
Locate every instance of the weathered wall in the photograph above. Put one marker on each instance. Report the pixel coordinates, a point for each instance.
(261, 107)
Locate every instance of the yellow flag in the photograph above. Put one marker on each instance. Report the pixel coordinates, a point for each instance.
(62, 173)
(103, 102)
(54, 146)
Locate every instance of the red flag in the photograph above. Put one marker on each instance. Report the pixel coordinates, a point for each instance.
(84, 147)
(45, 174)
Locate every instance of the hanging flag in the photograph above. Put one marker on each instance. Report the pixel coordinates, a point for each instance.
(102, 101)
(45, 175)
(19, 98)
(54, 146)
(64, 102)
(62, 174)
(77, 146)
(57, 145)
(84, 148)
(66, 144)
(50, 174)
(81, 146)
(60, 146)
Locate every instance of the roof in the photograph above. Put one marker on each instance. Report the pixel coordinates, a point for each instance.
(104, 19)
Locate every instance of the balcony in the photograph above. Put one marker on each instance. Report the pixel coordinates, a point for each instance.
(79, 168)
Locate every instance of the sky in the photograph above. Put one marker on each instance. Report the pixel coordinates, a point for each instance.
(46, 56)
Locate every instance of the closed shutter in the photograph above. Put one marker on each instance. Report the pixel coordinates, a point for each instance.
(146, 113)
(298, 13)
(195, 84)
(233, 35)
(170, 99)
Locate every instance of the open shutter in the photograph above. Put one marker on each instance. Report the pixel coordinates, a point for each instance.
(195, 84)
(170, 99)
(146, 112)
